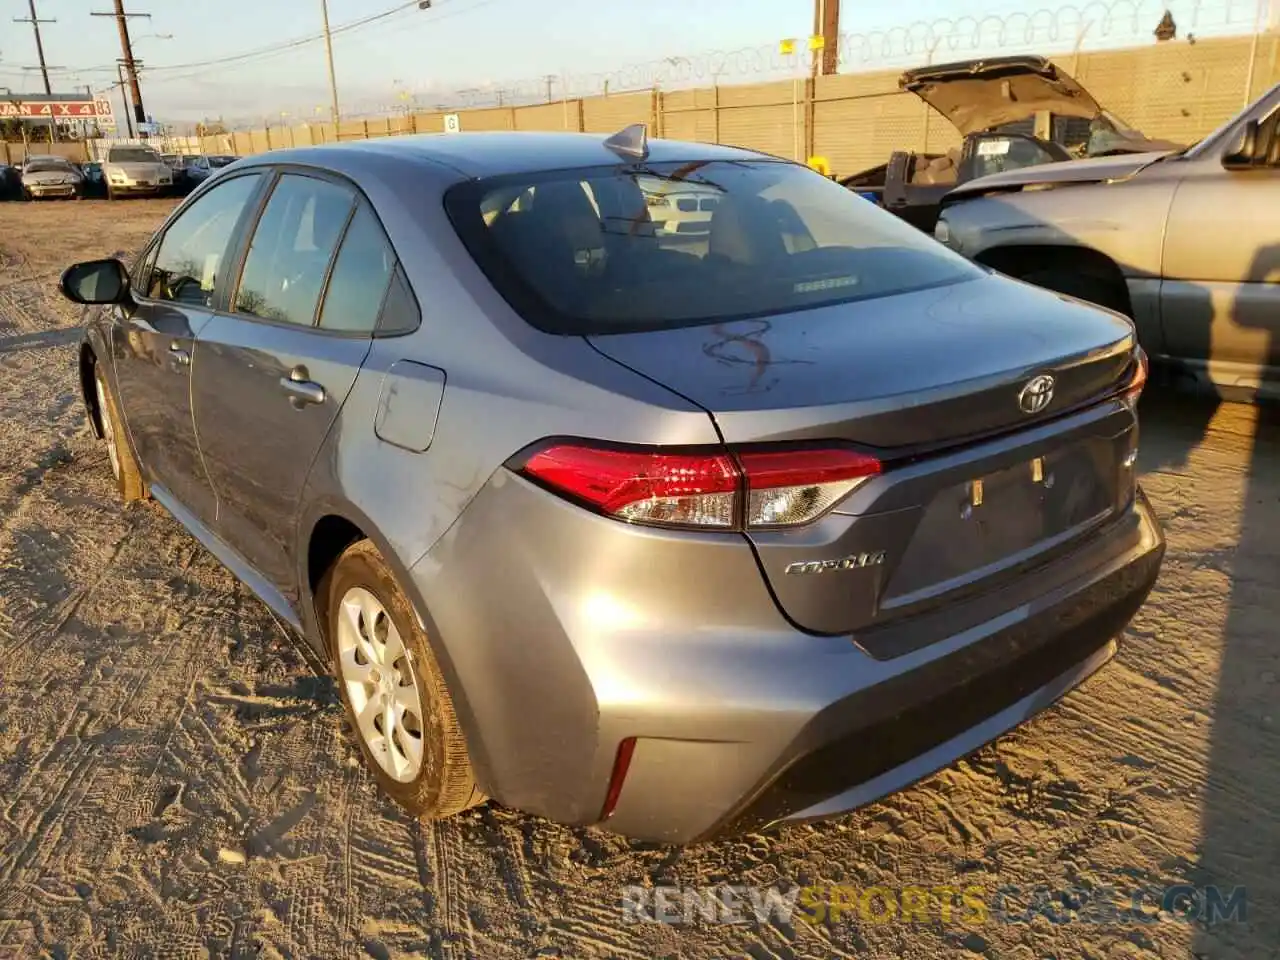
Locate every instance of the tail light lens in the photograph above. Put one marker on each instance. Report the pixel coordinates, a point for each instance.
(756, 489)
(644, 487)
(786, 488)
(1131, 392)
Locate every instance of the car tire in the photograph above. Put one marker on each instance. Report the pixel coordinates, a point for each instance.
(386, 671)
(1103, 291)
(124, 465)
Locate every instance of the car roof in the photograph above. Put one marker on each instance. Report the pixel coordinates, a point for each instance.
(497, 153)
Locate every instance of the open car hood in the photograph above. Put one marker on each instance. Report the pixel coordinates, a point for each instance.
(976, 95)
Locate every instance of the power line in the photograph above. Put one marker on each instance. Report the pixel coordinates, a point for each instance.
(202, 68)
(35, 22)
(290, 44)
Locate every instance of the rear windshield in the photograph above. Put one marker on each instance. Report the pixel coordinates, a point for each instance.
(132, 155)
(654, 246)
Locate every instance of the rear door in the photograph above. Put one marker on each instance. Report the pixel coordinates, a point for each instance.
(175, 289)
(1220, 298)
(273, 372)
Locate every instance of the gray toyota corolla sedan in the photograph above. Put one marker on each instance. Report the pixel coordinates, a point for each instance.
(680, 532)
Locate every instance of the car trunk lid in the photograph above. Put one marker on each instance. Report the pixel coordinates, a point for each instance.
(975, 485)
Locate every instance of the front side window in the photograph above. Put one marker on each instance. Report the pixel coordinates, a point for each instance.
(653, 246)
(188, 264)
(358, 284)
(288, 259)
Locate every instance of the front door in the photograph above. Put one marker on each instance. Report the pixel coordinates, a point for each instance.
(272, 375)
(154, 341)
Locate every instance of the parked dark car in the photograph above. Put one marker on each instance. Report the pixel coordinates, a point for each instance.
(95, 183)
(10, 182)
(1013, 112)
(680, 535)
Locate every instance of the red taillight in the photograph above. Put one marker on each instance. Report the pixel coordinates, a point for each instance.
(771, 488)
(643, 486)
(1132, 389)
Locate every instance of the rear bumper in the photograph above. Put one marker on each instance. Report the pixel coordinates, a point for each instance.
(562, 636)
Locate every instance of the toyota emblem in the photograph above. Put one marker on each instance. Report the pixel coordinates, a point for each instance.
(1036, 394)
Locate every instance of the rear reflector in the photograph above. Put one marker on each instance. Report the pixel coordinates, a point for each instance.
(761, 488)
(621, 764)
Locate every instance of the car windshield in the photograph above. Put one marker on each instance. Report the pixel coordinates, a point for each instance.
(47, 166)
(221, 161)
(193, 161)
(132, 155)
(654, 246)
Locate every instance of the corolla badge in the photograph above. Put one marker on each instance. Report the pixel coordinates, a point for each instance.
(855, 561)
(1036, 394)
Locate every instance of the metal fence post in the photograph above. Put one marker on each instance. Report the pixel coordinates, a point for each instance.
(715, 111)
(810, 116)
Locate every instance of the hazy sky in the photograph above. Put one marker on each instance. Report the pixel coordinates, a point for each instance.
(460, 44)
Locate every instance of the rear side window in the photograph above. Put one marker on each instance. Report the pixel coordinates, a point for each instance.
(358, 283)
(400, 312)
(661, 245)
(292, 246)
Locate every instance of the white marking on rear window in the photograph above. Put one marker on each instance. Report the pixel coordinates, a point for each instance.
(817, 286)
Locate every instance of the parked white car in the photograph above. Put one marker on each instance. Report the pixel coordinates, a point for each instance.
(51, 177)
(135, 170)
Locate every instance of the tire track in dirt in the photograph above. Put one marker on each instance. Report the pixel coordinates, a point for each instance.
(448, 885)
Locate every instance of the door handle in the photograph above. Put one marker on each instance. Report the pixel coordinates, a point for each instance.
(301, 391)
(179, 356)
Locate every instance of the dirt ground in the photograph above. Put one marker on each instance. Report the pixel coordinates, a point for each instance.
(175, 781)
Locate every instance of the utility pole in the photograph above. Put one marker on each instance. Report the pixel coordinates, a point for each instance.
(826, 24)
(328, 51)
(124, 86)
(129, 64)
(35, 22)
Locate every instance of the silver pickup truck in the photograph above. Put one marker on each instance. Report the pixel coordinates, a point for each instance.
(1186, 243)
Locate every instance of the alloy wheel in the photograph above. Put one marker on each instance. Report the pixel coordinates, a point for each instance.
(381, 684)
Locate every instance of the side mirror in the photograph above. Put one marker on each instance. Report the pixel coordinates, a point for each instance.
(95, 282)
(1252, 149)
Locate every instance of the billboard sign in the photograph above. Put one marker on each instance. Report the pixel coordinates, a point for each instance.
(15, 108)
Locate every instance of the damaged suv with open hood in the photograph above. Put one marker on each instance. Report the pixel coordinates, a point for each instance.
(1013, 112)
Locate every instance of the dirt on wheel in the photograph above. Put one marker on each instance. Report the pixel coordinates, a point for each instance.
(176, 781)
